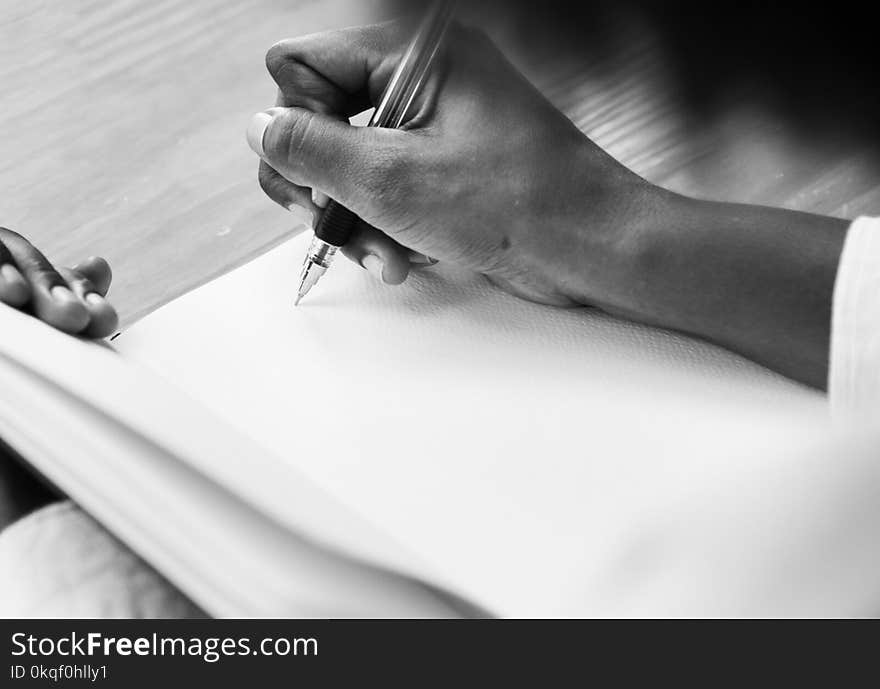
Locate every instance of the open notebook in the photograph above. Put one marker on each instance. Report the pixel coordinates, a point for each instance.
(439, 448)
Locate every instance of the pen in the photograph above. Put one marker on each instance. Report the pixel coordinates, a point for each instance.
(336, 224)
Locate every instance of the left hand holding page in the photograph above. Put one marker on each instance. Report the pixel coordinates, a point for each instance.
(69, 299)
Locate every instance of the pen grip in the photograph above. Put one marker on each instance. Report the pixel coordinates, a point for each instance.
(336, 225)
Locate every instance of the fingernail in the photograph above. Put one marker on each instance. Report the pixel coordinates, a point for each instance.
(88, 262)
(256, 131)
(63, 294)
(10, 273)
(374, 266)
(94, 299)
(320, 199)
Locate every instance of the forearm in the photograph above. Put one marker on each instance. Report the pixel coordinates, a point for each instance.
(756, 280)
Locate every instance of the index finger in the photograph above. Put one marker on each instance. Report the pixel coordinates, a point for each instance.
(51, 298)
(338, 72)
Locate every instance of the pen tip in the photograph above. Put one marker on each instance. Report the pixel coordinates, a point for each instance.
(311, 273)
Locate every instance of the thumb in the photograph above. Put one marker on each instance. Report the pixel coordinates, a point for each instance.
(315, 150)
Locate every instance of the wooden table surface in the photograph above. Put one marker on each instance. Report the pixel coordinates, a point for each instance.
(122, 133)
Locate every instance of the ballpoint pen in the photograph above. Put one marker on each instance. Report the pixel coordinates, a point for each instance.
(336, 224)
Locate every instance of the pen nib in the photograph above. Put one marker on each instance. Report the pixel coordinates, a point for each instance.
(317, 262)
(311, 273)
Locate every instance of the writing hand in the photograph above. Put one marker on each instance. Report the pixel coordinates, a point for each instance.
(489, 175)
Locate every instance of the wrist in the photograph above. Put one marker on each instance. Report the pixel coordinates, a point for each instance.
(756, 280)
(664, 258)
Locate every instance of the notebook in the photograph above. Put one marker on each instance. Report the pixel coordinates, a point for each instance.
(439, 448)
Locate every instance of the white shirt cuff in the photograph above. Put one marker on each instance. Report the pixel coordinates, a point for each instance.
(854, 367)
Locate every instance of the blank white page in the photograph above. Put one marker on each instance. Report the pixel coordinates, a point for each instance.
(173, 481)
(526, 453)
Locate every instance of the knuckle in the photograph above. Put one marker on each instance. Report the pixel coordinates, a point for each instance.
(286, 133)
(301, 130)
(275, 57)
(300, 85)
(43, 273)
(282, 53)
(290, 139)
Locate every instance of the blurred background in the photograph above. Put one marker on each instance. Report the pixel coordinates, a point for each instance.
(122, 122)
(814, 62)
(808, 67)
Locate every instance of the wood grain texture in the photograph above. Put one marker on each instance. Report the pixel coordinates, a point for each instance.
(122, 133)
